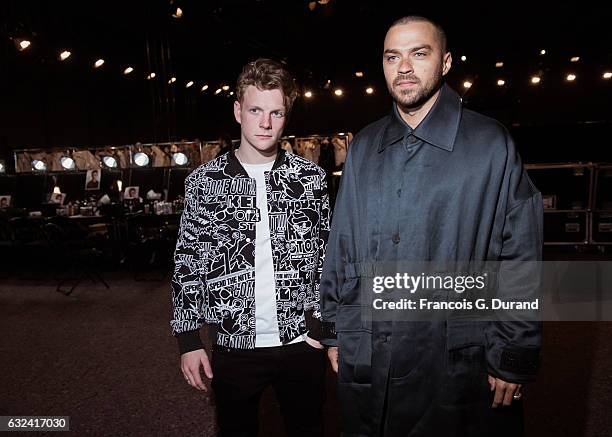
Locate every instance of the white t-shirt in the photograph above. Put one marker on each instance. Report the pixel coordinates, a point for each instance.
(266, 319)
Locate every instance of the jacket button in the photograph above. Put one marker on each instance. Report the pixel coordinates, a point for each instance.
(399, 193)
(412, 139)
(383, 338)
(396, 239)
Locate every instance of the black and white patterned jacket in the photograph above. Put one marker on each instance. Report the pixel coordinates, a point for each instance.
(214, 276)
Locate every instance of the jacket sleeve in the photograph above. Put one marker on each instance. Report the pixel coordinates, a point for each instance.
(333, 275)
(188, 289)
(513, 344)
(313, 307)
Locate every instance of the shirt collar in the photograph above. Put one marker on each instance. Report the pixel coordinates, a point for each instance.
(438, 128)
(235, 168)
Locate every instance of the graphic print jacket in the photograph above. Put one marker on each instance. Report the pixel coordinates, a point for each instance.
(214, 275)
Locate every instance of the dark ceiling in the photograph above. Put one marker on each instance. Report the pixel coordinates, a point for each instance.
(46, 102)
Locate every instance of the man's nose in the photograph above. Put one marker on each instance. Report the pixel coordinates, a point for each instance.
(266, 121)
(405, 66)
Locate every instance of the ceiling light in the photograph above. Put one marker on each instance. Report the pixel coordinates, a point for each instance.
(151, 76)
(218, 91)
(467, 84)
(570, 77)
(204, 88)
(225, 87)
(178, 13)
(99, 63)
(338, 92)
(128, 70)
(308, 94)
(575, 59)
(542, 52)
(189, 84)
(501, 82)
(64, 55)
(499, 64)
(369, 90)
(607, 75)
(24, 44)
(535, 80)
(172, 80)
(464, 58)
(359, 74)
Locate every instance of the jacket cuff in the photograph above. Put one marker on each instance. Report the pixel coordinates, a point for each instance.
(314, 326)
(514, 364)
(329, 330)
(189, 341)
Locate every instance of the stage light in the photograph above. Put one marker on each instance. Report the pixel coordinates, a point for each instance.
(501, 82)
(467, 84)
(39, 165)
(607, 75)
(172, 80)
(64, 55)
(570, 77)
(189, 84)
(99, 63)
(180, 158)
(141, 159)
(535, 80)
(308, 94)
(151, 76)
(338, 92)
(369, 90)
(575, 59)
(128, 70)
(67, 163)
(359, 74)
(204, 88)
(499, 64)
(110, 161)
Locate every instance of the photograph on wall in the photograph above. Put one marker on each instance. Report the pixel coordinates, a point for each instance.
(92, 180)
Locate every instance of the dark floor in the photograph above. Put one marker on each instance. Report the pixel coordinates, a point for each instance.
(106, 359)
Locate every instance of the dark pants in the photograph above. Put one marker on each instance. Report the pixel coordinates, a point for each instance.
(296, 372)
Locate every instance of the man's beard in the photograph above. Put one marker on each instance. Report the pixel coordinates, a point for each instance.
(414, 98)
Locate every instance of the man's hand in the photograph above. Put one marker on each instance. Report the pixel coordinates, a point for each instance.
(504, 392)
(190, 366)
(332, 354)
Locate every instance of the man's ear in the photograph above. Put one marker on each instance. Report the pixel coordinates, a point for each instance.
(237, 114)
(447, 62)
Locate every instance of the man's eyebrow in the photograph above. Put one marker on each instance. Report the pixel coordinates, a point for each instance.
(413, 49)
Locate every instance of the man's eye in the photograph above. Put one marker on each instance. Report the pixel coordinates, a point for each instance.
(278, 114)
(420, 54)
(391, 58)
(253, 110)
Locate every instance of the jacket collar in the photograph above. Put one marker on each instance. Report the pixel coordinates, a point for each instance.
(235, 168)
(438, 128)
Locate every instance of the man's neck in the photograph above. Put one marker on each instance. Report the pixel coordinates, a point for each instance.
(414, 116)
(250, 155)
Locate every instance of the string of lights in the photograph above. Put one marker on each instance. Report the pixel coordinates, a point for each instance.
(309, 92)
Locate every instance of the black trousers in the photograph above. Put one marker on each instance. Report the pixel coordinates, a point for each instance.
(297, 374)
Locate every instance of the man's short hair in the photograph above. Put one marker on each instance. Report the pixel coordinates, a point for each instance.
(419, 19)
(267, 74)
